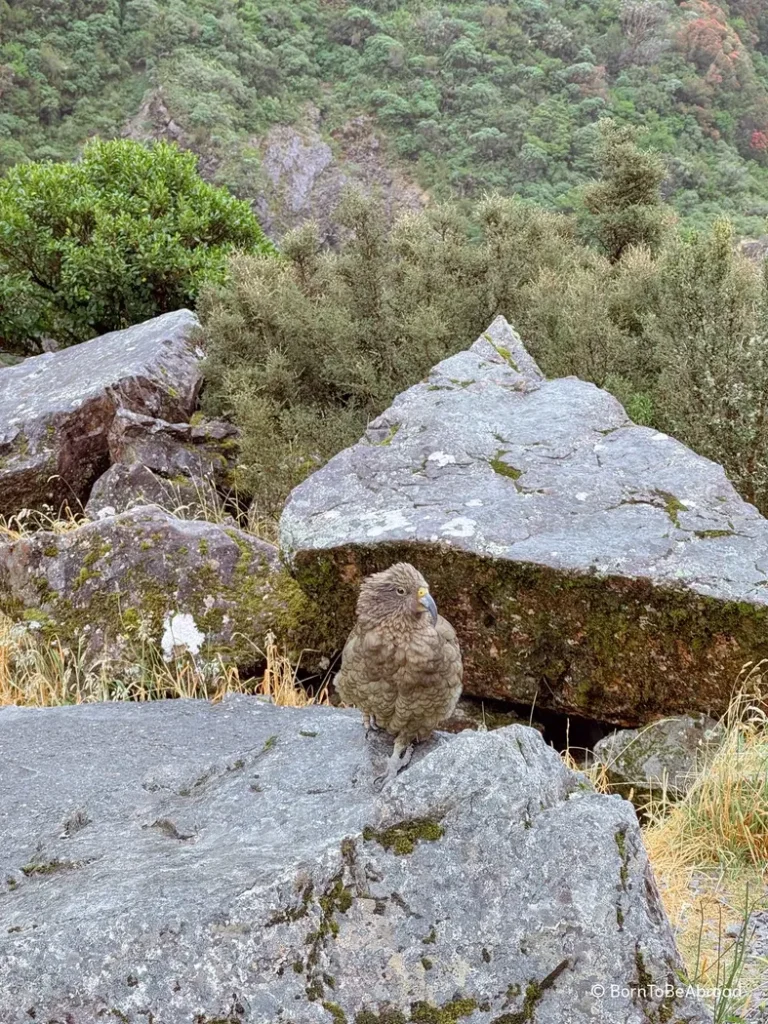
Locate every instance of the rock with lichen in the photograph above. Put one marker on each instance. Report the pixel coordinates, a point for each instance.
(128, 486)
(234, 862)
(56, 409)
(589, 565)
(661, 759)
(142, 578)
(199, 452)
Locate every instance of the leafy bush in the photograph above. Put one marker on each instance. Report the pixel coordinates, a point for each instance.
(124, 234)
(710, 334)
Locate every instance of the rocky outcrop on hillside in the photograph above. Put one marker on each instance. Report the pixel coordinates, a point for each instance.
(590, 565)
(233, 862)
(305, 175)
(57, 409)
(144, 576)
(304, 168)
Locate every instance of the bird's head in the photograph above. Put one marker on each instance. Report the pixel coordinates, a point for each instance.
(400, 592)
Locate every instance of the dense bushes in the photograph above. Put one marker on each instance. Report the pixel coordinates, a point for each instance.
(304, 350)
(124, 234)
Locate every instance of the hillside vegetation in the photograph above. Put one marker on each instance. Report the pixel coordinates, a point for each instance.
(473, 96)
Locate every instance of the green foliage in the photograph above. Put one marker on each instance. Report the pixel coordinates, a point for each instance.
(710, 334)
(124, 234)
(475, 97)
(626, 204)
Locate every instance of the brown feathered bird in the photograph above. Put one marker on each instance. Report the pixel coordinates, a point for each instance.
(401, 664)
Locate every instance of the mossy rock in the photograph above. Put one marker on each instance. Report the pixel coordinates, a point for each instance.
(185, 585)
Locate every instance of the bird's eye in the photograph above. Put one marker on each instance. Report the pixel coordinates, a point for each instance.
(401, 591)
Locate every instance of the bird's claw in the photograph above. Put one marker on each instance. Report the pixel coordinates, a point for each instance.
(395, 764)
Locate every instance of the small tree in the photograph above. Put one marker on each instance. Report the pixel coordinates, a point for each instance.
(710, 331)
(126, 233)
(625, 204)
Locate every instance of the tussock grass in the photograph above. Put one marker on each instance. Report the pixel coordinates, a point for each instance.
(723, 819)
(709, 851)
(213, 507)
(46, 673)
(30, 521)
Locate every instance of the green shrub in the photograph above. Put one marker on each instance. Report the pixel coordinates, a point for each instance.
(126, 233)
(710, 332)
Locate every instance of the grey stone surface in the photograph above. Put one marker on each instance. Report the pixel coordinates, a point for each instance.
(303, 177)
(56, 409)
(664, 757)
(144, 575)
(203, 451)
(125, 486)
(595, 565)
(187, 862)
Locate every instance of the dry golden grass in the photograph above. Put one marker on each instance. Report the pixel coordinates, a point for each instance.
(213, 508)
(710, 850)
(29, 521)
(37, 673)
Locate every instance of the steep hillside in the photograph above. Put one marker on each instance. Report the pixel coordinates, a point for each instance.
(468, 96)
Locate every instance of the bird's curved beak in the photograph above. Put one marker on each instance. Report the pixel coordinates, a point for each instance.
(427, 601)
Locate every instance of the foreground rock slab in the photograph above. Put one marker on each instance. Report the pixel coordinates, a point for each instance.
(56, 409)
(592, 565)
(145, 576)
(232, 862)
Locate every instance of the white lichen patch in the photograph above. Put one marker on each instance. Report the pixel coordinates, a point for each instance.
(582, 496)
(180, 633)
(387, 522)
(459, 527)
(660, 437)
(474, 503)
(441, 458)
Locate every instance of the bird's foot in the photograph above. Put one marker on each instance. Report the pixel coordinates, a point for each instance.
(371, 725)
(395, 764)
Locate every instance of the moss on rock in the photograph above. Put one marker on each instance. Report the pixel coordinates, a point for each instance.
(401, 838)
(615, 649)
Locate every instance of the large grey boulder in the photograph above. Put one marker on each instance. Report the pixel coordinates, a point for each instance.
(592, 565)
(145, 576)
(56, 409)
(190, 862)
(661, 759)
